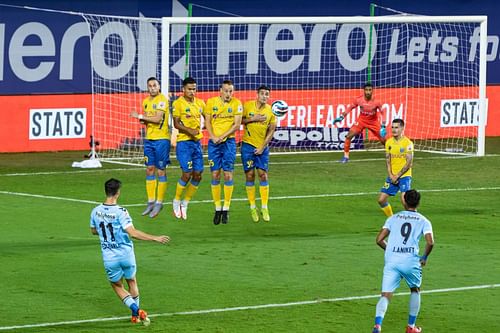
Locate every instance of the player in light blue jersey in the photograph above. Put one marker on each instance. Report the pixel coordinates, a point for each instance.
(403, 232)
(114, 227)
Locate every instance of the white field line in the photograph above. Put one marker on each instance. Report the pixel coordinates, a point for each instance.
(250, 307)
(310, 196)
(17, 174)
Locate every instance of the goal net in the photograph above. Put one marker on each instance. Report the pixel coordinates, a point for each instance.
(429, 71)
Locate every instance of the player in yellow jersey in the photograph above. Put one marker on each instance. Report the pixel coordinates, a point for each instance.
(222, 118)
(260, 124)
(156, 145)
(399, 160)
(187, 113)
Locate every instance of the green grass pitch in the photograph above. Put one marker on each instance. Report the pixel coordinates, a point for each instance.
(314, 268)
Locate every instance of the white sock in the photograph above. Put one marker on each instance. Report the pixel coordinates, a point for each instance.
(382, 305)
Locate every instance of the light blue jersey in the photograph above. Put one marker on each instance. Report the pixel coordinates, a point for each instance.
(406, 228)
(110, 221)
(402, 260)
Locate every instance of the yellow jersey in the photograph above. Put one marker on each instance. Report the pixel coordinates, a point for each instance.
(189, 113)
(398, 150)
(255, 132)
(150, 105)
(223, 114)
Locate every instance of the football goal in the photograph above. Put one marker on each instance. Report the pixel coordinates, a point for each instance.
(428, 71)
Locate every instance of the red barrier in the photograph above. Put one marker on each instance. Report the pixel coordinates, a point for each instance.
(56, 122)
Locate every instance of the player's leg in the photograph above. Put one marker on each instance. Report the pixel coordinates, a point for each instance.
(216, 196)
(149, 161)
(182, 153)
(214, 161)
(162, 154)
(390, 282)
(115, 272)
(228, 159)
(247, 159)
(375, 129)
(197, 158)
(129, 271)
(353, 131)
(404, 186)
(413, 277)
(262, 166)
(264, 193)
(387, 190)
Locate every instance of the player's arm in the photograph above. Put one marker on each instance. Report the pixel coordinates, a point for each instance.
(157, 118)
(93, 231)
(389, 167)
(186, 130)
(382, 235)
(346, 112)
(253, 119)
(232, 129)
(267, 139)
(383, 130)
(141, 235)
(429, 245)
(210, 129)
(406, 167)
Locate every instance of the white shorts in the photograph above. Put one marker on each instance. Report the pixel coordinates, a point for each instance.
(410, 271)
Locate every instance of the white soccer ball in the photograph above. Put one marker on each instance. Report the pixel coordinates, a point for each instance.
(279, 108)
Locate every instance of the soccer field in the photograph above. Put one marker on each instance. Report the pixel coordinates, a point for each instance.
(314, 268)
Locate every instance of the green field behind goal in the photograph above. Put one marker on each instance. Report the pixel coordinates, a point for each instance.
(314, 268)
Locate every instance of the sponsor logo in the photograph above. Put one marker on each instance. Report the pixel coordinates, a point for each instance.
(459, 112)
(314, 137)
(66, 123)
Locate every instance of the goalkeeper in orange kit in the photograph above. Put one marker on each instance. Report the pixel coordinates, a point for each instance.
(368, 118)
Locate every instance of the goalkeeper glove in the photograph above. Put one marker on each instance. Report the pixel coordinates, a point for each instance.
(338, 119)
(383, 131)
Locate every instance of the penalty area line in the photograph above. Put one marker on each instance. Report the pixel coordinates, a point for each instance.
(251, 307)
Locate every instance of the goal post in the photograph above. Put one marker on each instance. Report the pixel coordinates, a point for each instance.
(428, 70)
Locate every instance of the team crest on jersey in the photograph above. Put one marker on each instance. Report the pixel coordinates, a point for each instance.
(188, 110)
(401, 150)
(251, 114)
(215, 109)
(161, 105)
(229, 110)
(154, 106)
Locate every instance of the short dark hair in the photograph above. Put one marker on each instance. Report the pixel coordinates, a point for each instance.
(412, 198)
(111, 187)
(367, 84)
(228, 82)
(152, 78)
(399, 121)
(263, 87)
(188, 80)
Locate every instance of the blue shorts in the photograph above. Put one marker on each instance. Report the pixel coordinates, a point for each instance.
(157, 153)
(222, 155)
(251, 161)
(190, 155)
(121, 268)
(410, 271)
(403, 185)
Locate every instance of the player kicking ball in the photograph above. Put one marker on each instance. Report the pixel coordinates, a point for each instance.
(114, 227)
